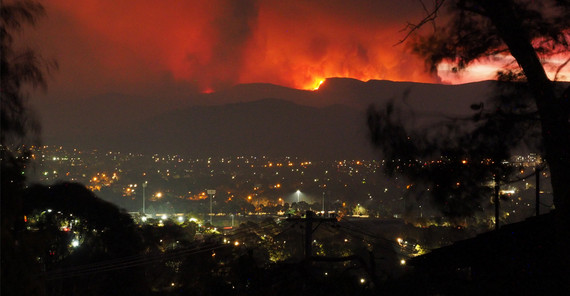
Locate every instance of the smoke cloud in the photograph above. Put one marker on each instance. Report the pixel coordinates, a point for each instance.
(155, 47)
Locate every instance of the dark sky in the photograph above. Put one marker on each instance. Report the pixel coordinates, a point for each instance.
(169, 48)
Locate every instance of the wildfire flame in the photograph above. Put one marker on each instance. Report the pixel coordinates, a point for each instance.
(318, 84)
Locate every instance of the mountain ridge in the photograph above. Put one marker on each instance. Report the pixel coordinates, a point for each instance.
(329, 122)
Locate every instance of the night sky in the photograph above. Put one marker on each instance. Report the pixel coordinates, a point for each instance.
(170, 48)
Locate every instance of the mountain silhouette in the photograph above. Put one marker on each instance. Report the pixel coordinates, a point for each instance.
(249, 119)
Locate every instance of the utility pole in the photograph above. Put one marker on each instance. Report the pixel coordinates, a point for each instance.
(310, 217)
(144, 197)
(323, 203)
(537, 192)
(496, 198)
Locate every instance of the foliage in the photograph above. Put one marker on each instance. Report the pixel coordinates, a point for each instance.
(469, 32)
(18, 67)
(452, 161)
(70, 211)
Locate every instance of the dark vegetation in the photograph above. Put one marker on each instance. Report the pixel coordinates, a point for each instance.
(528, 111)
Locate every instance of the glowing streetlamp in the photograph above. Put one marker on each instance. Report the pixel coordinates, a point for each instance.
(298, 196)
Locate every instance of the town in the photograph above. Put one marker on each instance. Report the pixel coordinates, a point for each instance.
(226, 190)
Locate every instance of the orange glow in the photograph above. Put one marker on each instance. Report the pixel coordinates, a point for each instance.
(218, 43)
(212, 45)
(199, 196)
(318, 84)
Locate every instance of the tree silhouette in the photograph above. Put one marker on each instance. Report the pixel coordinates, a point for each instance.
(466, 156)
(19, 67)
(106, 234)
(18, 126)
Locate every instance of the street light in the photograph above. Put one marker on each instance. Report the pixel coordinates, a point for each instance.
(323, 202)
(298, 196)
(211, 193)
(144, 197)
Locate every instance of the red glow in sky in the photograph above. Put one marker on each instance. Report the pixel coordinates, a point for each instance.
(148, 45)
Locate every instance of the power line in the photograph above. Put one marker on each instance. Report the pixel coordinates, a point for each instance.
(143, 259)
(122, 263)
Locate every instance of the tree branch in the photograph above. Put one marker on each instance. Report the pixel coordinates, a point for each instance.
(431, 16)
(560, 68)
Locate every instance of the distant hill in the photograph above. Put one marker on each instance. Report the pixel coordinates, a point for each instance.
(267, 127)
(249, 119)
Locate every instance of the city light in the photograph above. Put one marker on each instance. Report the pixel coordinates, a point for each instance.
(75, 243)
